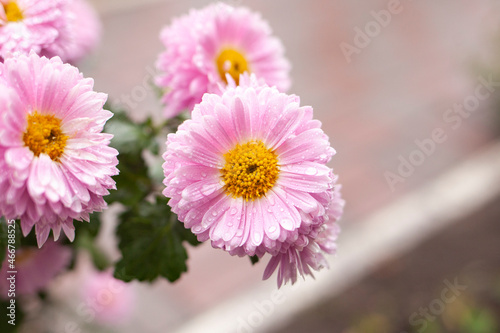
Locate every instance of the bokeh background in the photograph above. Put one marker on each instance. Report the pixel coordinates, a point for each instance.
(398, 87)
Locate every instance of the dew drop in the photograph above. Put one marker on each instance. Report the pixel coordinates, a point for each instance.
(257, 238)
(311, 171)
(206, 190)
(287, 224)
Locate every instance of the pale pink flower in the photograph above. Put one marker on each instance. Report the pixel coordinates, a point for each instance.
(112, 300)
(27, 25)
(105, 300)
(55, 164)
(209, 48)
(79, 35)
(35, 268)
(248, 171)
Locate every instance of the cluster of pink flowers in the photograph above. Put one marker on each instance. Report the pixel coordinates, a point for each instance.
(55, 164)
(248, 170)
(66, 28)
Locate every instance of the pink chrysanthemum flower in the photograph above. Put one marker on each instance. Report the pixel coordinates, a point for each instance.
(211, 47)
(112, 299)
(27, 25)
(248, 171)
(35, 268)
(79, 35)
(307, 251)
(55, 164)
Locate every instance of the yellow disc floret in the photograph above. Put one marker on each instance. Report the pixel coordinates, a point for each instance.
(232, 62)
(13, 12)
(250, 171)
(44, 135)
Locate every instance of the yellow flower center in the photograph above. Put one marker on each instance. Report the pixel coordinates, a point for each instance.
(232, 62)
(13, 12)
(44, 136)
(250, 171)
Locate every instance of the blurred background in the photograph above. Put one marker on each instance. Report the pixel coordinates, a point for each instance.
(408, 93)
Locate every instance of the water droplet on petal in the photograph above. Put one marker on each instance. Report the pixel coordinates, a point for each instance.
(287, 224)
(257, 238)
(311, 171)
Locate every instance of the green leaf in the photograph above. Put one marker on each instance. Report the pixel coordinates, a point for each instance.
(92, 227)
(133, 183)
(85, 238)
(5, 230)
(131, 139)
(480, 321)
(254, 259)
(151, 242)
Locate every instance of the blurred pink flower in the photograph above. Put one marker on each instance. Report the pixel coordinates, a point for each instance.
(65, 28)
(79, 35)
(111, 299)
(27, 25)
(35, 268)
(55, 163)
(92, 297)
(248, 171)
(208, 48)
